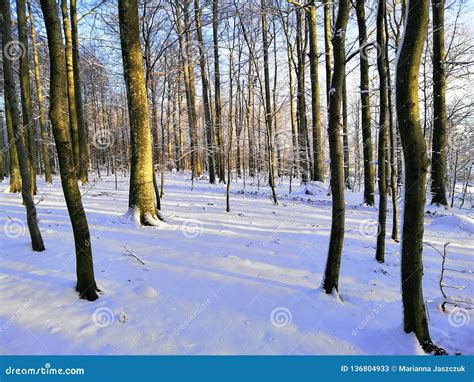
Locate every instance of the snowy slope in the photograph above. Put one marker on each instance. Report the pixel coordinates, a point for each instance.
(245, 282)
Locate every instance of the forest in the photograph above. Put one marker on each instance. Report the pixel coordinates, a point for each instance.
(236, 177)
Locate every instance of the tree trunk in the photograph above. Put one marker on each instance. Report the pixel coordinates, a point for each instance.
(345, 137)
(39, 96)
(141, 197)
(383, 129)
(416, 167)
(301, 99)
(86, 285)
(205, 94)
(71, 92)
(438, 153)
(369, 177)
(331, 275)
(318, 173)
(268, 102)
(327, 48)
(25, 87)
(217, 92)
(14, 166)
(81, 125)
(23, 157)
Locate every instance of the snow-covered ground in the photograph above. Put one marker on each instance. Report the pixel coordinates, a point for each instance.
(244, 282)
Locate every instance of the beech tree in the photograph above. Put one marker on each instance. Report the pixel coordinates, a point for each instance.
(59, 115)
(141, 196)
(336, 240)
(416, 168)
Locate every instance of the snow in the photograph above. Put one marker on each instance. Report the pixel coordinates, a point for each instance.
(210, 282)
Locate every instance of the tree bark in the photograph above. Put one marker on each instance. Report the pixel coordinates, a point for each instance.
(416, 167)
(141, 198)
(331, 275)
(86, 285)
(14, 166)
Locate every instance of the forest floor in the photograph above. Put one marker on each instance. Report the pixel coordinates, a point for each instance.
(211, 282)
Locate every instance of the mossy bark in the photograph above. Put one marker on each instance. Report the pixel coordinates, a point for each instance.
(416, 167)
(141, 196)
(14, 166)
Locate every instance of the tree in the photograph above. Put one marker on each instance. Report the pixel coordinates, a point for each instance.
(205, 94)
(81, 124)
(383, 129)
(416, 167)
(367, 146)
(25, 88)
(39, 98)
(59, 115)
(331, 274)
(14, 166)
(438, 150)
(141, 196)
(71, 90)
(23, 157)
(318, 173)
(268, 103)
(217, 93)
